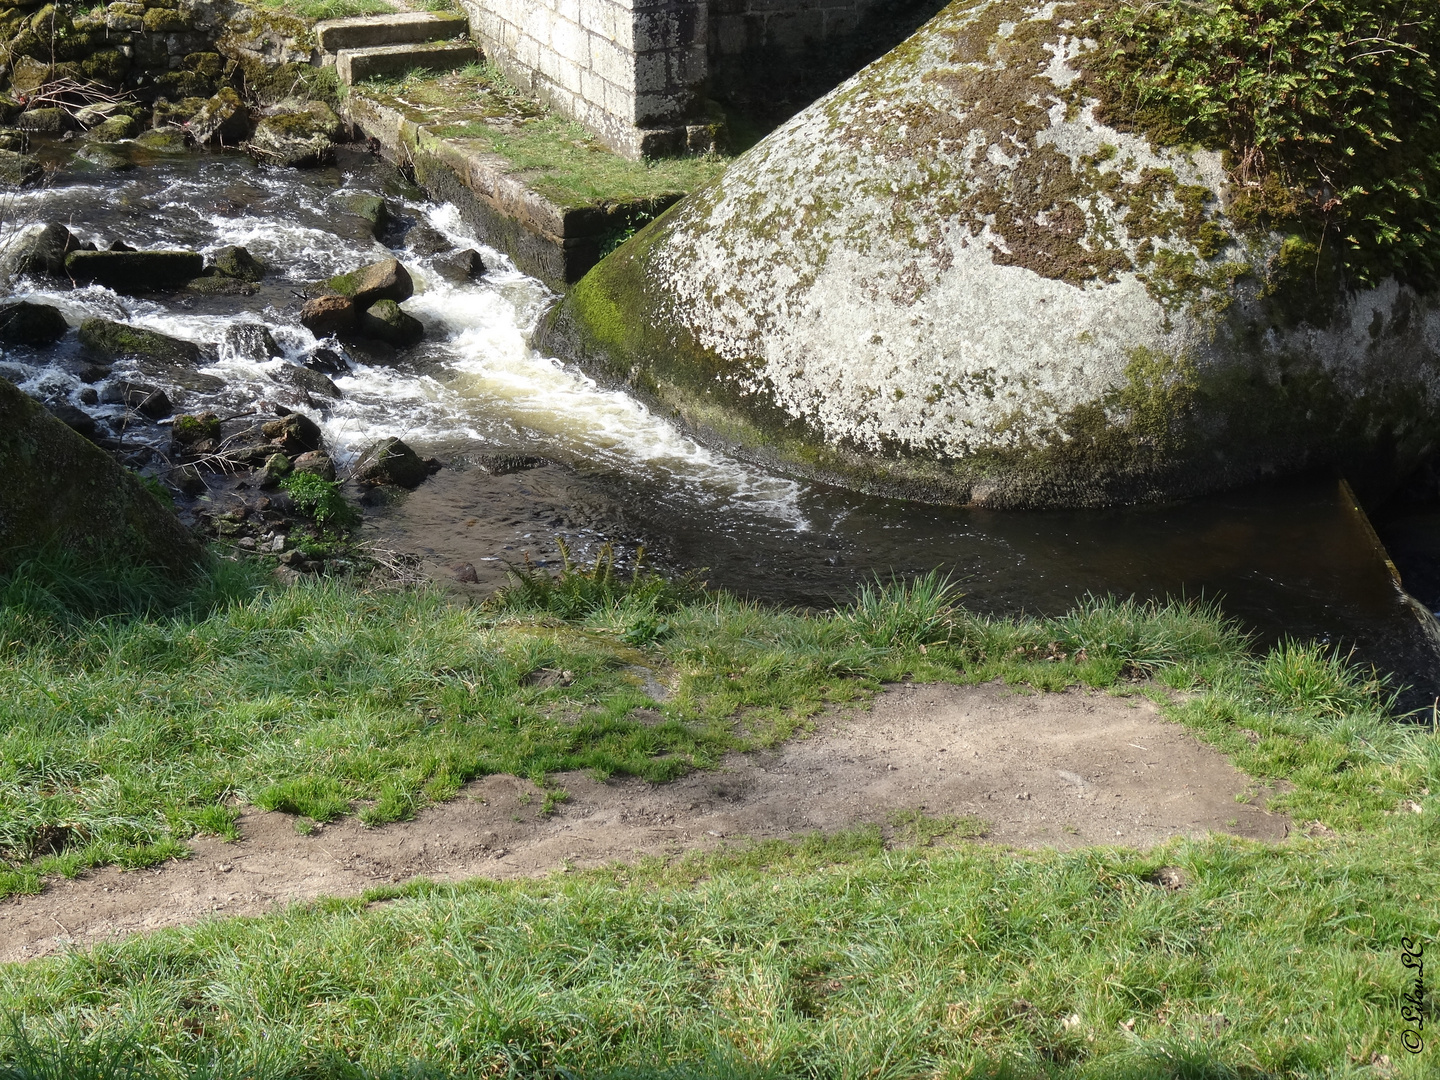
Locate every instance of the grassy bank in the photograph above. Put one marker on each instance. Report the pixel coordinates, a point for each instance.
(120, 735)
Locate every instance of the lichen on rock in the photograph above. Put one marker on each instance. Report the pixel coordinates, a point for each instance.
(953, 278)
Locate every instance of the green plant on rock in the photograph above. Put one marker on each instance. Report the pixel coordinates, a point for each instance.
(322, 501)
(1328, 112)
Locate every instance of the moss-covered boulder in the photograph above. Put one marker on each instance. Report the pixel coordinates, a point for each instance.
(385, 280)
(58, 491)
(296, 134)
(223, 118)
(236, 262)
(391, 461)
(19, 170)
(972, 274)
(111, 341)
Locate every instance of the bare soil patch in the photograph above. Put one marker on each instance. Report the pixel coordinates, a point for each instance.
(1057, 770)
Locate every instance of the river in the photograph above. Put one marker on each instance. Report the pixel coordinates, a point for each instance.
(1288, 558)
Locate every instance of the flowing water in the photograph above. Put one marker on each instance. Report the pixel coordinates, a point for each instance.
(1288, 558)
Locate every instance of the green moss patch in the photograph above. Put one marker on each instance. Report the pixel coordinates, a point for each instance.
(556, 157)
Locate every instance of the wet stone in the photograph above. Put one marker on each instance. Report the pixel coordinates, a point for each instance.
(17, 170)
(76, 419)
(316, 462)
(25, 323)
(294, 434)
(391, 461)
(460, 266)
(384, 280)
(311, 382)
(113, 341)
(276, 468)
(42, 250)
(328, 362)
(386, 321)
(236, 262)
(326, 315)
(249, 341)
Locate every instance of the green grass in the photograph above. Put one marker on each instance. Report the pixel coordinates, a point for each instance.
(317, 10)
(560, 158)
(819, 958)
(122, 734)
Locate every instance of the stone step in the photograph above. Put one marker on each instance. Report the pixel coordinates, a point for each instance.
(357, 65)
(371, 31)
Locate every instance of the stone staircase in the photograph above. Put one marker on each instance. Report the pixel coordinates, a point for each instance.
(376, 46)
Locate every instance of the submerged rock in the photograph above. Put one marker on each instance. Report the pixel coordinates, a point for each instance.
(391, 461)
(249, 341)
(113, 341)
(296, 134)
(58, 491)
(386, 321)
(19, 170)
(24, 323)
(952, 278)
(133, 272)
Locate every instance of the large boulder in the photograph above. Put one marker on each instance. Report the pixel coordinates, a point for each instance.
(58, 491)
(955, 277)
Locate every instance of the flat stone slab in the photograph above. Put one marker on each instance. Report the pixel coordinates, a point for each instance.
(407, 28)
(357, 65)
(134, 272)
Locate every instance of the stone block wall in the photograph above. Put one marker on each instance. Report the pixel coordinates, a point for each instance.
(633, 71)
(638, 72)
(772, 57)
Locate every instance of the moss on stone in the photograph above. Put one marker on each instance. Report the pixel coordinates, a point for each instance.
(58, 491)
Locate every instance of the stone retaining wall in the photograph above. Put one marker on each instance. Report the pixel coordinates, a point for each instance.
(630, 70)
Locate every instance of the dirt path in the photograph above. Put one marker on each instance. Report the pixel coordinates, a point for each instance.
(1059, 770)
